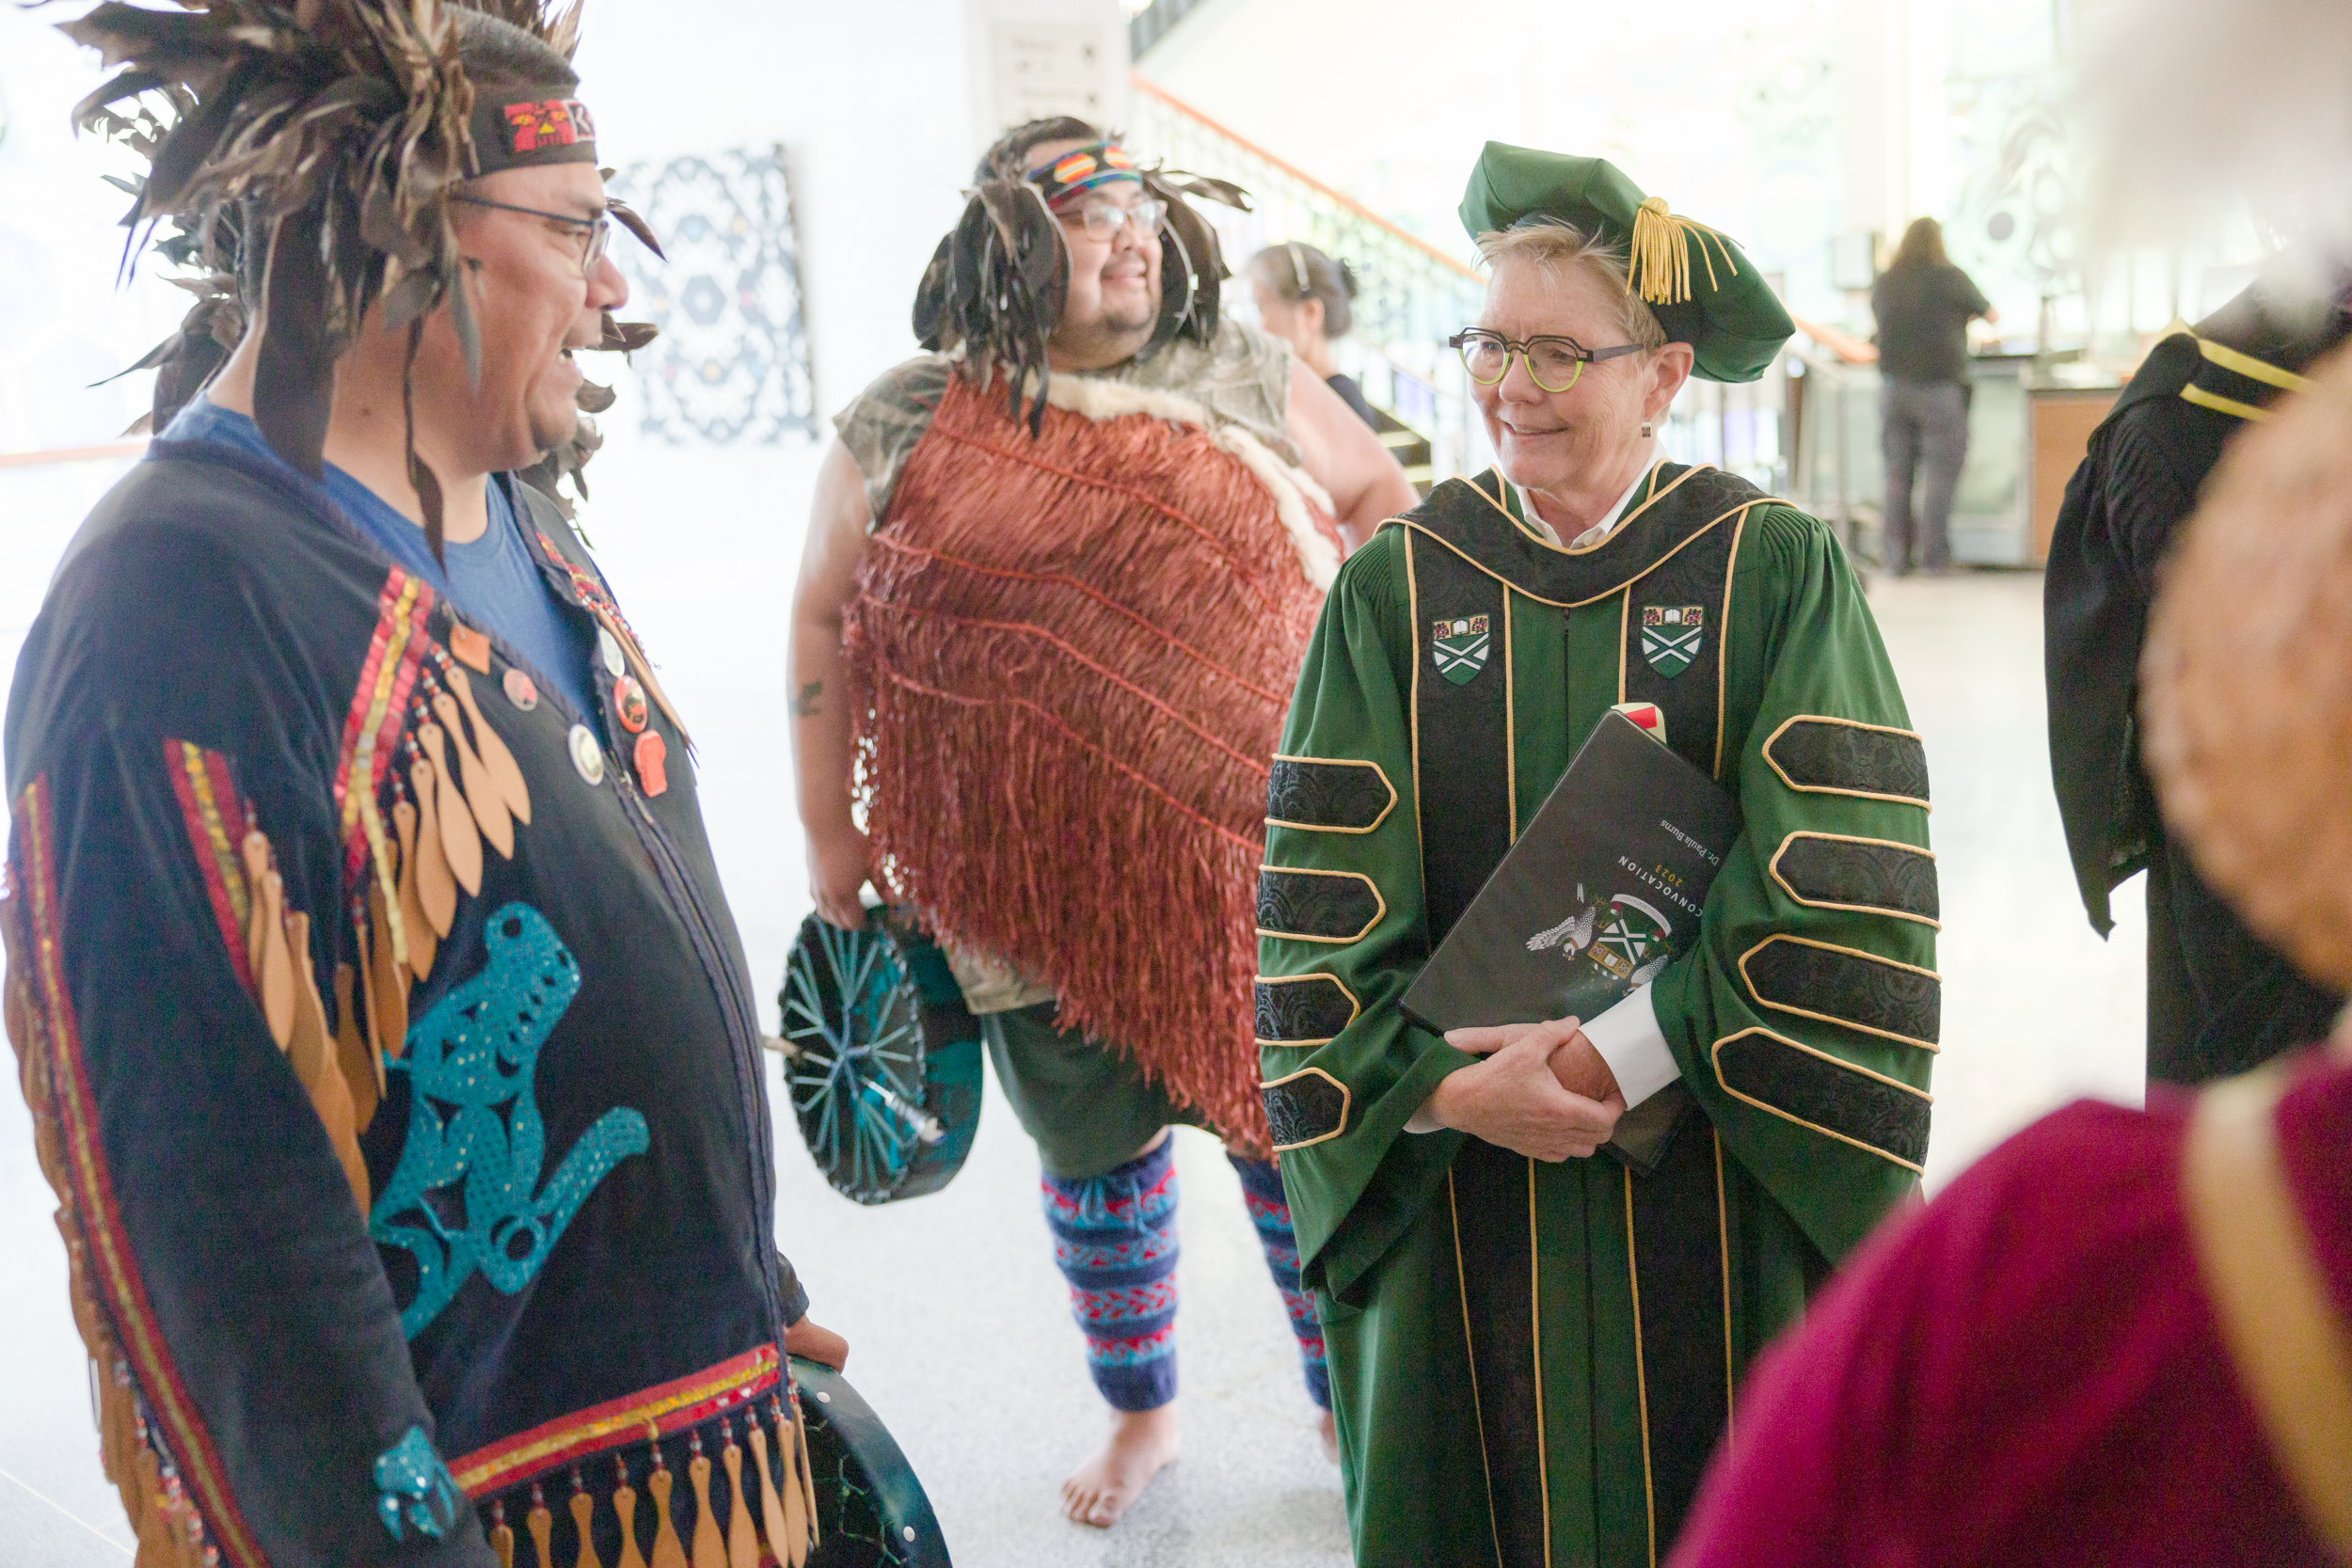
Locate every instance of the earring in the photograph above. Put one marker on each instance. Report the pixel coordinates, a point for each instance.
(1646, 429)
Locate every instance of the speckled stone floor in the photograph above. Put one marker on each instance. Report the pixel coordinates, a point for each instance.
(959, 1331)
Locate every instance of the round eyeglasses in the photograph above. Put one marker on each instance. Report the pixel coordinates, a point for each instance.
(599, 228)
(1554, 363)
(1104, 219)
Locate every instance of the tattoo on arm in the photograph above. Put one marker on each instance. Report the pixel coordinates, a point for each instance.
(804, 705)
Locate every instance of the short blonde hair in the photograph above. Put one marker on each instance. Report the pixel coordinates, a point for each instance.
(1558, 249)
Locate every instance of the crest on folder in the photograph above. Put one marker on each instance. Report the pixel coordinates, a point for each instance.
(1672, 636)
(1459, 644)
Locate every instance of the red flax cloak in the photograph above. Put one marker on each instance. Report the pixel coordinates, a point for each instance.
(1070, 660)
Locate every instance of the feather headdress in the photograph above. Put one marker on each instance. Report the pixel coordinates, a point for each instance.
(305, 155)
(995, 286)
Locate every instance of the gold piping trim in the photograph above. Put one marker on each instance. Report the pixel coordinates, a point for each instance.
(1347, 1103)
(1722, 639)
(1379, 913)
(1832, 789)
(1469, 1347)
(1595, 599)
(1789, 888)
(1510, 719)
(2290, 1346)
(1356, 1007)
(1722, 1255)
(2251, 368)
(1714, 1056)
(1641, 1373)
(1413, 704)
(2253, 413)
(1625, 630)
(1536, 1324)
(1763, 1001)
(1535, 535)
(1339, 762)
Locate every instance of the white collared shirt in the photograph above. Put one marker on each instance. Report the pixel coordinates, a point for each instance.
(1600, 530)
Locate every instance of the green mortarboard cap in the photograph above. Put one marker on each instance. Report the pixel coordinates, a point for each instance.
(1702, 288)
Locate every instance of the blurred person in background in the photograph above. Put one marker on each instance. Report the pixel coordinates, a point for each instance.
(1534, 1345)
(1923, 304)
(385, 1026)
(2123, 1337)
(1306, 298)
(1057, 580)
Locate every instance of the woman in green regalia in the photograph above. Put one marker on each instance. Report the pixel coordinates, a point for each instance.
(1533, 1348)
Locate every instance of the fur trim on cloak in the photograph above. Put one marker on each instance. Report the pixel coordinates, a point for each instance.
(1072, 657)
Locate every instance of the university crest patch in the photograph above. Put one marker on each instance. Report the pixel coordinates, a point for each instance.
(1671, 636)
(1459, 645)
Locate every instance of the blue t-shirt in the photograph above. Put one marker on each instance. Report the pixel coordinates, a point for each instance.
(492, 580)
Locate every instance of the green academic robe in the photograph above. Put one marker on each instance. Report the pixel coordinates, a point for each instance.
(1529, 1361)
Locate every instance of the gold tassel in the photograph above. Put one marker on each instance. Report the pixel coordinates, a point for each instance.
(709, 1550)
(1659, 267)
(624, 1504)
(667, 1551)
(312, 1059)
(583, 1515)
(502, 1534)
(742, 1540)
(541, 1524)
(388, 989)
(421, 939)
(482, 797)
(437, 885)
(781, 1533)
(461, 840)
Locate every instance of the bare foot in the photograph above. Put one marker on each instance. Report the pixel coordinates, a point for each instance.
(1328, 1429)
(1141, 1443)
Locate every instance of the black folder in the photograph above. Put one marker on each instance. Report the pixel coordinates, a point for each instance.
(1602, 891)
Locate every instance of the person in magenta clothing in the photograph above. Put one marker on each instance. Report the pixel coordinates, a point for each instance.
(2125, 1336)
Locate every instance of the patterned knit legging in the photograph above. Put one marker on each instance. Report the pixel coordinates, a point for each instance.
(1115, 1242)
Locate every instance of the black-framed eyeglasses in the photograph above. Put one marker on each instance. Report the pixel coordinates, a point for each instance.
(1104, 219)
(1553, 362)
(598, 229)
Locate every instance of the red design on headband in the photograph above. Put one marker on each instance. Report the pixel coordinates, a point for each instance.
(553, 122)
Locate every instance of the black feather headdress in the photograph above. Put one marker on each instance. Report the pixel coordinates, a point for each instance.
(995, 289)
(305, 151)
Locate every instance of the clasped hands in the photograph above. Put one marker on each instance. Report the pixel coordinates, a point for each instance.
(1543, 1090)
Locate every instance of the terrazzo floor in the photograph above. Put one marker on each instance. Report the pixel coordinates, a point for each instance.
(959, 1331)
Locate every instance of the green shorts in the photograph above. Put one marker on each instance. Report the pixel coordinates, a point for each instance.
(1089, 1109)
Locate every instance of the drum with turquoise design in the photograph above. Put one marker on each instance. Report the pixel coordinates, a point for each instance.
(882, 1058)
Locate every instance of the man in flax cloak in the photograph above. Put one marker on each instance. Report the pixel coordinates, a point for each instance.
(1060, 576)
(1533, 1347)
(387, 1036)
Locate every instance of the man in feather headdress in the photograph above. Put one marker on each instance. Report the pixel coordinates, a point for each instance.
(386, 1034)
(1060, 574)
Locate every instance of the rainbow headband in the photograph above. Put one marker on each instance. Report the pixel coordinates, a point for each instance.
(1083, 170)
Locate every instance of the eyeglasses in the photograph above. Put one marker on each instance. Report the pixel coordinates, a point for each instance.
(1104, 219)
(1554, 363)
(599, 228)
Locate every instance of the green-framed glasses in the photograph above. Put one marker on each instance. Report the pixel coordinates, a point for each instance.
(1552, 362)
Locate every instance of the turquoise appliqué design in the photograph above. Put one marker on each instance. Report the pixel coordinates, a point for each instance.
(414, 1489)
(466, 1195)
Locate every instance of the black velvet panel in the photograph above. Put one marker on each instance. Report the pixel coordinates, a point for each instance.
(1332, 907)
(1849, 759)
(1679, 1261)
(1349, 797)
(1820, 869)
(1826, 1094)
(1490, 1197)
(1300, 1110)
(1846, 987)
(1304, 1010)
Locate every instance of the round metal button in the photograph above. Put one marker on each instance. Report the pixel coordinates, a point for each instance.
(520, 690)
(628, 703)
(587, 756)
(609, 646)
